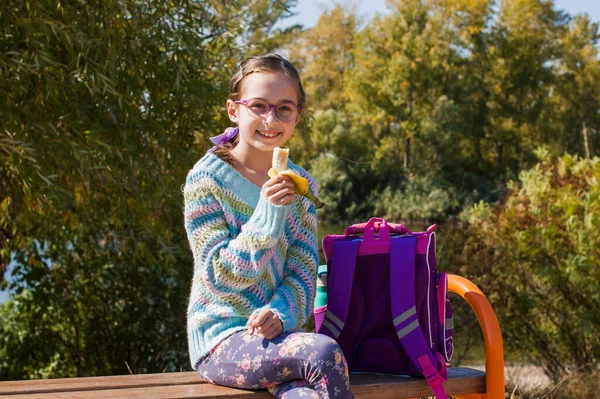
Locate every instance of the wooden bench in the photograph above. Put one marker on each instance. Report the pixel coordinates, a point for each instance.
(464, 383)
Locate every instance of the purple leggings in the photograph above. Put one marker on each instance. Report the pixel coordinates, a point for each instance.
(292, 365)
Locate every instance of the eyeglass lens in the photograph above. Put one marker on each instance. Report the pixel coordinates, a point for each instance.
(260, 108)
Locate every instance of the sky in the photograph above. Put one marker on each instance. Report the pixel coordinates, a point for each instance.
(308, 11)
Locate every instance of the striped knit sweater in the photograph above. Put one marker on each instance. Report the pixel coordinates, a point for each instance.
(249, 254)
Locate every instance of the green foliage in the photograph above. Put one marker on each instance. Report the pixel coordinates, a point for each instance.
(106, 106)
(458, 90)
(536, 255)
(324, 53)
(342, 175)
(415, 116)
(418, 199)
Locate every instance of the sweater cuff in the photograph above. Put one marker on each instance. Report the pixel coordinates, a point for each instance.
(269, 219)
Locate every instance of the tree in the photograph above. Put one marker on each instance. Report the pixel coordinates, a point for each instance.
(400, 85)
(106, 106)
(572, 113)
(522, 73)
(393, 72)
(335, 144)
(324, 55)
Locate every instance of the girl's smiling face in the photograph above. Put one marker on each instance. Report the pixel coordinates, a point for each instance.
(268, 132)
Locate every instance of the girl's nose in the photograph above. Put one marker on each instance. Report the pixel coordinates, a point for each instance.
(270, 117)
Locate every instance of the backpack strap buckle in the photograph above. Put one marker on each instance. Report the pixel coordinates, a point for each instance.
(434, 378)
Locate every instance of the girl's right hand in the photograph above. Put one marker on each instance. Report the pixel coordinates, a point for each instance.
(266, 323)
(279, 190)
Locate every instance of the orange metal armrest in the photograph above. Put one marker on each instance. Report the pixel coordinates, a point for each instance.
(492, 336)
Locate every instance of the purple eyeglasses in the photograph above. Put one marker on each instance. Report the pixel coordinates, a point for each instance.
(258, 108)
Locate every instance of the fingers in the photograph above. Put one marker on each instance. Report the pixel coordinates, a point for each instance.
(271, 325)
(285, 200)
(261, 317)
(273, 330)
(266, 323)
(249, 323)
(278, 181)
(279, 190)
(258, 320)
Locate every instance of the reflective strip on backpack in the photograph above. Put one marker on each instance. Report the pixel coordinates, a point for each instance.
(331, 328)
(404, 316)
(449, 324)
(335, 329)
(329, 315)
(408, 329)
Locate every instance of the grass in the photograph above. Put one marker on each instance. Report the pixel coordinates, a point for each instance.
(573, 386)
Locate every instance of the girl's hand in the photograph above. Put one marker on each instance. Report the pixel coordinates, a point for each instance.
(266, 323)
(279, 190)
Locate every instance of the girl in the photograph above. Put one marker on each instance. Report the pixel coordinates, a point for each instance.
(255, 249)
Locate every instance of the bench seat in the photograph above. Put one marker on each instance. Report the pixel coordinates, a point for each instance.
(190, 385)
(463, 383)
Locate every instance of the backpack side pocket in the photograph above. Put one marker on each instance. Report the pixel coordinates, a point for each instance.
(446, 326)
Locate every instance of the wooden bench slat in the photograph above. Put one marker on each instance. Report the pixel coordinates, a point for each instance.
(460, 380)
(188, 391)
(98, 383)
(189, 385)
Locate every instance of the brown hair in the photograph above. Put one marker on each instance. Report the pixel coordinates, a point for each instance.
(262, 63)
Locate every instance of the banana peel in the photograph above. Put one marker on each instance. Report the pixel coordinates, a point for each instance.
(301, 187)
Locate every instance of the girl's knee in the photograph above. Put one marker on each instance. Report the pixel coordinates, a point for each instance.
(327, 348)
(329, 371)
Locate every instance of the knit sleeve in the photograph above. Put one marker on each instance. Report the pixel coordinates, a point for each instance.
(293, 300)
(226, 264)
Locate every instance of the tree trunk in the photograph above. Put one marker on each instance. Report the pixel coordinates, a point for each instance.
(499, 150)
(586, 144)
(406, 163)
(406, 154)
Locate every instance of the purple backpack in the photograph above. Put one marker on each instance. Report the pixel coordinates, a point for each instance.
(387, 305)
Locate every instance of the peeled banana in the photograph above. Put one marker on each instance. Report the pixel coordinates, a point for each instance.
(279, 167)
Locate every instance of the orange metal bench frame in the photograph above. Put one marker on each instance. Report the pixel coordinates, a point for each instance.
(492, 336)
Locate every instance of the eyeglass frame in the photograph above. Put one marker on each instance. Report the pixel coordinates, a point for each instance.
(273, 107)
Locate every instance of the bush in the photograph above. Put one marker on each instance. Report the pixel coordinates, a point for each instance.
(419, 198)
(536, 255)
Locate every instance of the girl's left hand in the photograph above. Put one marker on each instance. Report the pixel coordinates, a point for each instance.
(266, 323)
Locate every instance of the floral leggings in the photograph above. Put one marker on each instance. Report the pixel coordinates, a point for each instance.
(292, 365)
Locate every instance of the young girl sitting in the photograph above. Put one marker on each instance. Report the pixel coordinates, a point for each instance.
(255, 249)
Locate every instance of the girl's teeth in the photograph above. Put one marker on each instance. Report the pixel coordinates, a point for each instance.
(269, 134)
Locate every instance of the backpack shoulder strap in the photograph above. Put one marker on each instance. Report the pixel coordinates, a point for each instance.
(405, 317)
(339, 288)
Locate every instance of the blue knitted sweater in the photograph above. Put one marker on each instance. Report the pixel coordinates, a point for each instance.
(249, 254)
